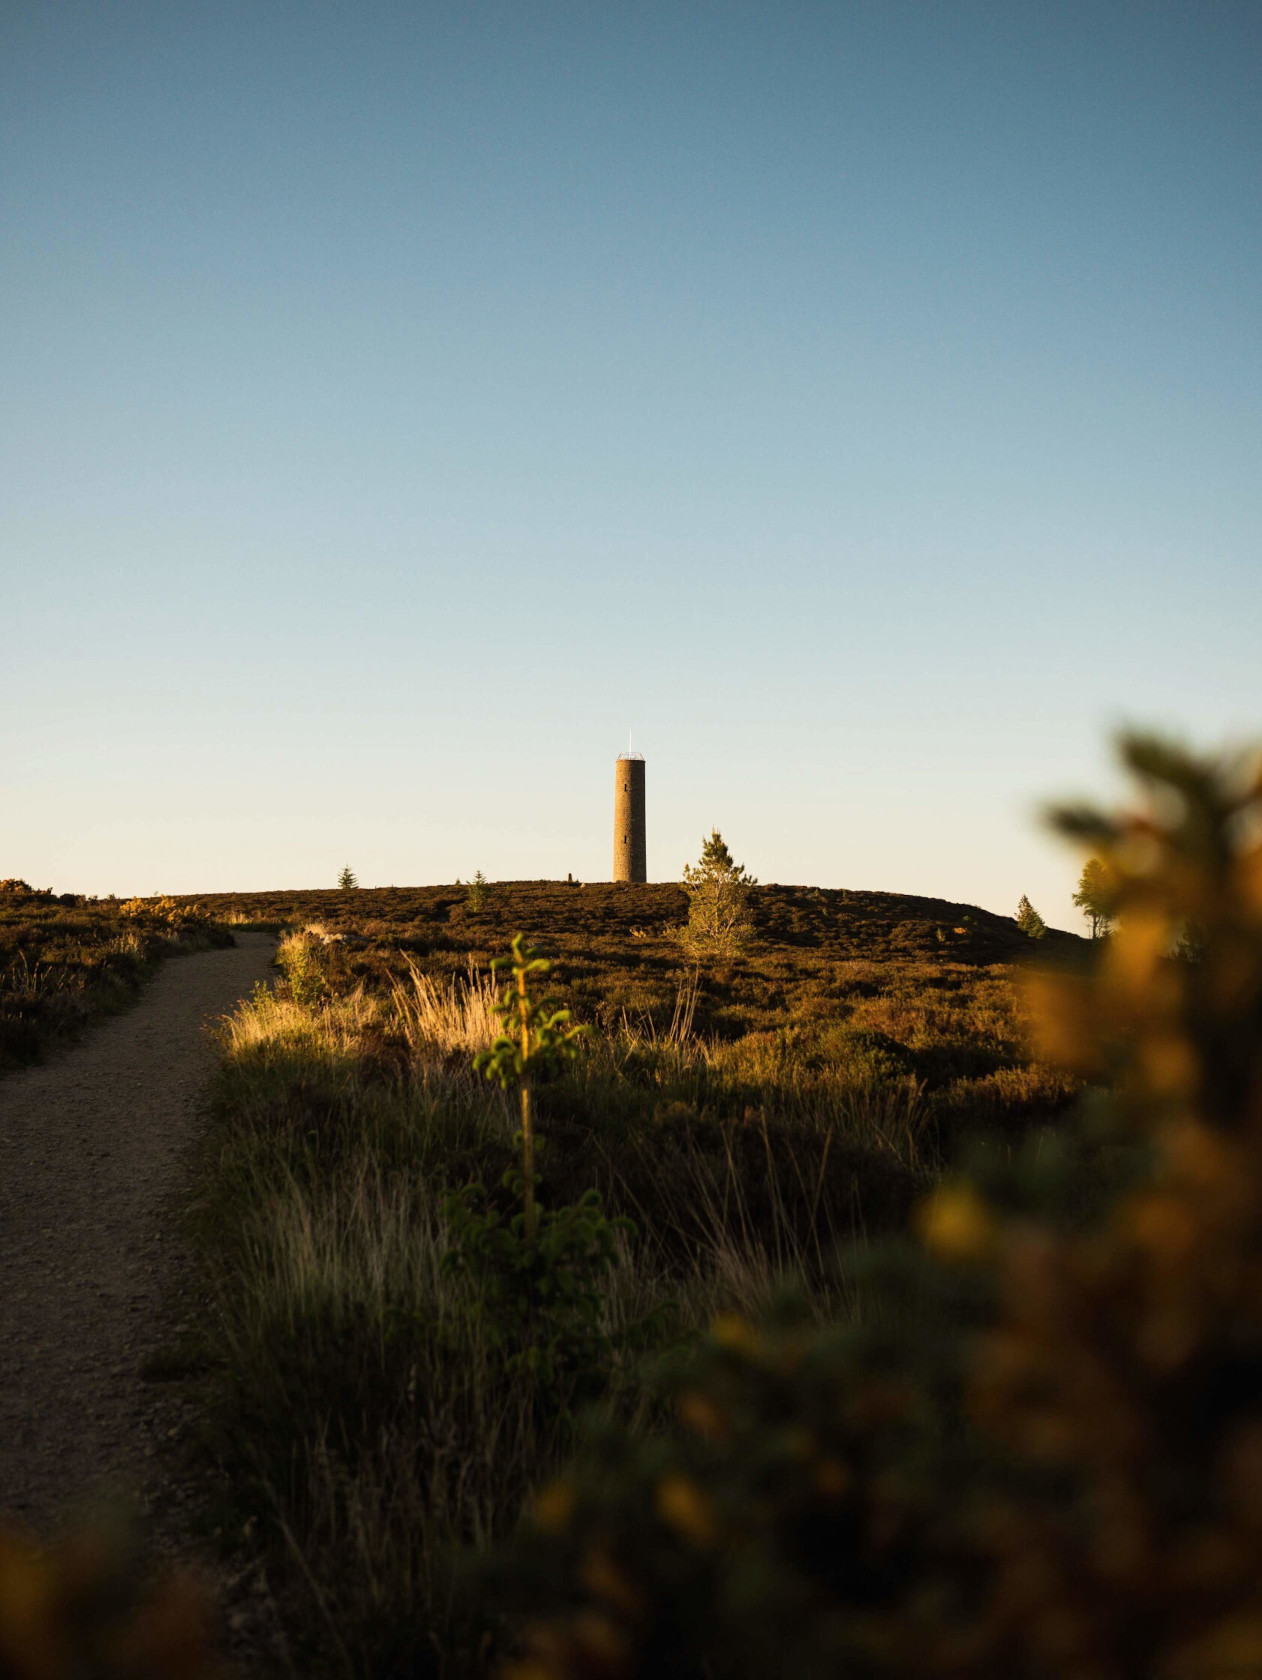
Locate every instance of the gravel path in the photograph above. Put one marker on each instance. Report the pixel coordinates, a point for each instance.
(95, 1152)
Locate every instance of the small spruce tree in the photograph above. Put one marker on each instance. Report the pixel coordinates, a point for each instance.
(1029, 920)
(347, 880)
(476, 891)
(718, 902)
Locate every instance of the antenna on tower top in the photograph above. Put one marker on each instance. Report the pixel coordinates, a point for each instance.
(628, 741)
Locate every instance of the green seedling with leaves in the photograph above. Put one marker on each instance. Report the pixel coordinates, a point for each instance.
(538, 1039)
(540, 1274)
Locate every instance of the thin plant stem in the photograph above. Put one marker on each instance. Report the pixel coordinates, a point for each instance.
(528, 1158)
(527, 1127)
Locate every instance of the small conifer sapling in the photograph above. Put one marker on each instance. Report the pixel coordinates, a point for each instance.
(537, 1039)
(1029, 921)
(718, 891)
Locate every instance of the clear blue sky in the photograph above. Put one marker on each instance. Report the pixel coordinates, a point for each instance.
(863, 401)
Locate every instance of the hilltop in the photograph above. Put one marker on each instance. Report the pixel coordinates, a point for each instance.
(834, 922)
(929, 974)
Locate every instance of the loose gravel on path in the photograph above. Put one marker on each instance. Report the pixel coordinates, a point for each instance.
(95, 1155)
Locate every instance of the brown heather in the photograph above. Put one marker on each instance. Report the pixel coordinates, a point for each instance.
(755, 1120)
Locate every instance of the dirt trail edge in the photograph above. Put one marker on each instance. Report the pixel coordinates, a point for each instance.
(95, 1152)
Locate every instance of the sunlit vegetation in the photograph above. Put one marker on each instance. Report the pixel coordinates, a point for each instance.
(856, 984)
(397, 1362)
(65, 959)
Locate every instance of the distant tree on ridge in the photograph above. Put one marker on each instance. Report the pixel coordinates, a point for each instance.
(1029, 920)
(1093, 897)
(718, 902)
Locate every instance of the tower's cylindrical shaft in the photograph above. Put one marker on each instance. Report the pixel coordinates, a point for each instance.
(630, 859)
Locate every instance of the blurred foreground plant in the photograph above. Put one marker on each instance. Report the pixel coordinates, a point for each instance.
(1041, 1457)
(88, 1608)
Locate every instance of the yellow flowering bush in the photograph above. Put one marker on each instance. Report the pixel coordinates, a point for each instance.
(163, 908)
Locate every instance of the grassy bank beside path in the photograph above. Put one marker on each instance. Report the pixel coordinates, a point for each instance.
(66, 960)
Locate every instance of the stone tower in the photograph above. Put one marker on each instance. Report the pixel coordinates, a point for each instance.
(630, 859)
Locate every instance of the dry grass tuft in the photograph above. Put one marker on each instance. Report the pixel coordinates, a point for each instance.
(444, 1019)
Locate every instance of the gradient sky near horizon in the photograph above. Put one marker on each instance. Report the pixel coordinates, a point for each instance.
(860, 401)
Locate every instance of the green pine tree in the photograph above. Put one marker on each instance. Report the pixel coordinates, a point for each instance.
(1029, 920)
(718, 891)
